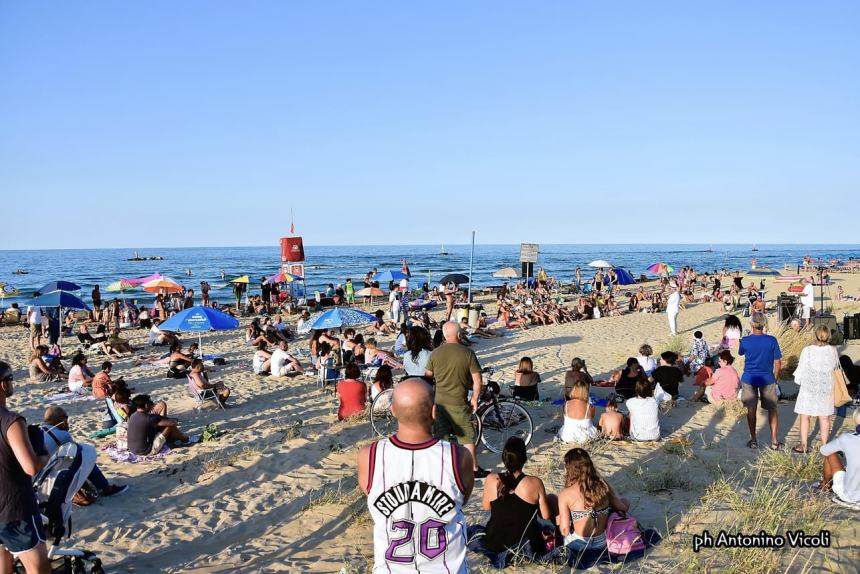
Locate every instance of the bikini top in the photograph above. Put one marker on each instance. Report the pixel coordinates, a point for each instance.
(580, 514)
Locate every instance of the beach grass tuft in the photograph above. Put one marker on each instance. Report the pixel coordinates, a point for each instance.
(664, 480)
(786, 464)
(230, 458)
(679, 446)
(677, 344)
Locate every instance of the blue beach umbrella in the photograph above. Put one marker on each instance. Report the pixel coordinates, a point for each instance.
(336, 318)
(624, 277)
(59, 286)
(60, 299)
(199, 320)
(390, 275)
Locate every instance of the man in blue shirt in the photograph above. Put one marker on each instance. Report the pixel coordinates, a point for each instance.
(761, 371)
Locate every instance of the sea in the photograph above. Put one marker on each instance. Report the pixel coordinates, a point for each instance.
(326, 265)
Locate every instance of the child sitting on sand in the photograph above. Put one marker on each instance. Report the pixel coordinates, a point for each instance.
(611, 422)
(644, 420)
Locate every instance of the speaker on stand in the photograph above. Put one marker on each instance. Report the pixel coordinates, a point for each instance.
(787, 307)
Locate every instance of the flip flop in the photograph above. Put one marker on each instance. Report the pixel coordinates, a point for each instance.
(752, 444)
(776, 445)
(799, 450)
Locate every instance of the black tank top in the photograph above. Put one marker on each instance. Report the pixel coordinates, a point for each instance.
(17, 499)
(513, 521)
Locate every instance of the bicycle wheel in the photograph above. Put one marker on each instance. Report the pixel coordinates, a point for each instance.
(502, 420)
(476, 425)
(381, 418)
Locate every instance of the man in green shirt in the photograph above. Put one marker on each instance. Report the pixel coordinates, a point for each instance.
(455, 369)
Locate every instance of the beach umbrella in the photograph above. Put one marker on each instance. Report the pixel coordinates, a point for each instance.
(506, 273)
(336, 318)
(7, 290)
(199, 320)
(121, 285)
(763, 272)
(58, 286)
(600, 263)
(60, 299)
(281, 277)
(141, 280)
(624, 277)
(455, 278)
(659, 268)
(390, 275)
(370, 292)
(162, 285)
(242, 279)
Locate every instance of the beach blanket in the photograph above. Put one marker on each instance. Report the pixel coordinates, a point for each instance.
(604, 383)
(127, 457)
(787, 278)
(68, 397)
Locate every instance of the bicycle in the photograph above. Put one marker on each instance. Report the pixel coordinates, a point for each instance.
(496, 419)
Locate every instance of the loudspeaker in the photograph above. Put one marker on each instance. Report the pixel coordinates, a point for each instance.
(786, 306)
(828, 320)
(851, 326)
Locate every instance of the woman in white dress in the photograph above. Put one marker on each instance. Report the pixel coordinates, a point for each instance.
(814, 375)
(578, 413)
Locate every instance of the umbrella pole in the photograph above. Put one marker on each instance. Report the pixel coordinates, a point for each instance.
(471, 261)
(200, 343)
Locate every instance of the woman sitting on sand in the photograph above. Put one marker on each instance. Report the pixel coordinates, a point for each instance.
(254, 334)
(381, 327)
(646, 359)
(644, 420)
(732, 330)
(178, 362)
(585, 504)
(40, 371)
(526, 381)
(382, 381)
(611, 422)
(200, 379)
(578, 426)
(418, 349)
(116, 345)
(516, 501)
(722, 384)
(262, 360)
(80, 377)
(351, 392)
(626, 380)
(376, 357)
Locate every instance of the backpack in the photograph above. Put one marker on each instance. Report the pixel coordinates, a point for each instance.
(623, 534)
(58, 482)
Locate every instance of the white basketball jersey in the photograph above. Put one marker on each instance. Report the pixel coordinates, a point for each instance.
(416, 501)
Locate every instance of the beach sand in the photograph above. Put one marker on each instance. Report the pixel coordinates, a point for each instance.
(278, 491)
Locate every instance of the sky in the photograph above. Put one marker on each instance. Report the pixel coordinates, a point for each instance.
(204, 123)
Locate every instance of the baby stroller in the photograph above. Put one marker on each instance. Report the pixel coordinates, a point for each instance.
(55, 485)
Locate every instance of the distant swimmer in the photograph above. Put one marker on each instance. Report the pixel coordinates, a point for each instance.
(223, 275)
(188, 271)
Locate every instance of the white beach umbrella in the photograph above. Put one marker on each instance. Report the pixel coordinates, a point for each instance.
(600, 263)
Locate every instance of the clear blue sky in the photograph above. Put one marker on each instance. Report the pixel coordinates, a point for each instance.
(203, 122)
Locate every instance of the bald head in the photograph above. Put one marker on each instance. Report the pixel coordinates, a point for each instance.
(54, 415)
(412, 404)
(451, 332)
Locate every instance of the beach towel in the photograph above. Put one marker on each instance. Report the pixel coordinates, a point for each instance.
(603, 383)
(121, 455)
(102, 433)
(69, 397)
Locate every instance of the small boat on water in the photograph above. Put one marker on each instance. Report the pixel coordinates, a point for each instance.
(137, 257)
(754, 247)
(21, 272)
(443, 251)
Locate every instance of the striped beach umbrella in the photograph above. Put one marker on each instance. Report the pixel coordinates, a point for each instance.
(659, 268)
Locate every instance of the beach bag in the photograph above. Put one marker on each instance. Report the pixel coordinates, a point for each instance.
(623, 534)
(840, 388)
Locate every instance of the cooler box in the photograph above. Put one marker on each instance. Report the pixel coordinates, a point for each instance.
(475, 315)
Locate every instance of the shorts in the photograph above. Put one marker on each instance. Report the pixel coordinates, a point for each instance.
(750, 395)
(454, 421)
(807, 311)
(838, 486)
(35, 329)
(23, 535)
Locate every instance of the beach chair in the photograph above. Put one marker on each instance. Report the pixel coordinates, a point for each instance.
(203, 395)
(328, 374)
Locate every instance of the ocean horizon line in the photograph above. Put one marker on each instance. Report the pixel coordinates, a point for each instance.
(477, 244)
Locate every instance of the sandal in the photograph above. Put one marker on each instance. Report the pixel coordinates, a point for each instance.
(752, 444)
(799, 449)
(776, 445)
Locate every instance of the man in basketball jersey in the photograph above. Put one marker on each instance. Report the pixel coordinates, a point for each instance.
(416, 487)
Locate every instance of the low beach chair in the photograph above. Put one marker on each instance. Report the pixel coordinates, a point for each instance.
(203, 395)
(328, 374)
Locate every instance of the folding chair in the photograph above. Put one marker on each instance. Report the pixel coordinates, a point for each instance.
(203, 395)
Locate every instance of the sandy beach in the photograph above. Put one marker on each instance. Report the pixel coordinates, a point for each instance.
(277, 492)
